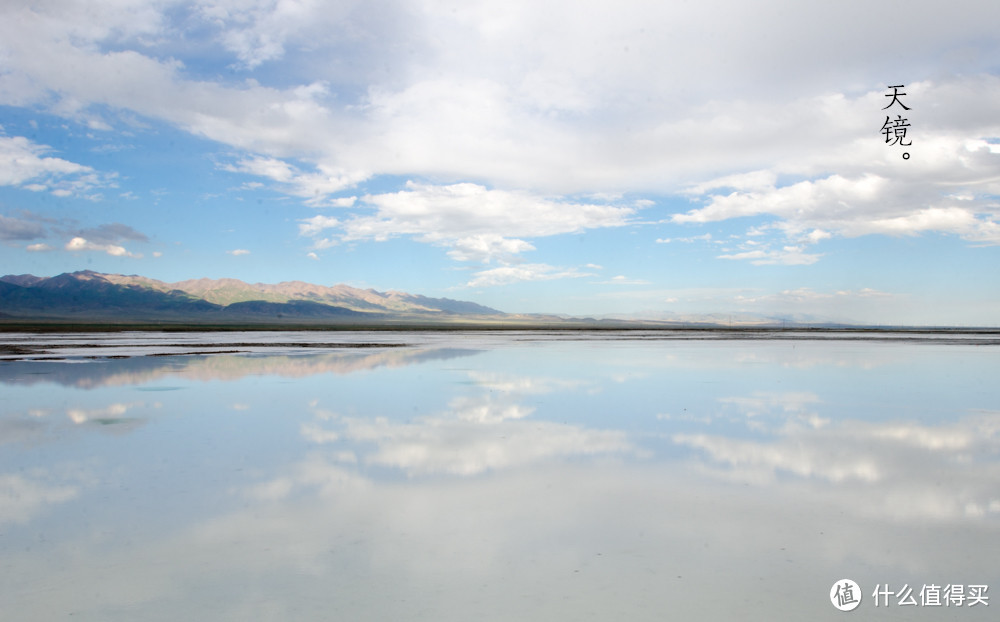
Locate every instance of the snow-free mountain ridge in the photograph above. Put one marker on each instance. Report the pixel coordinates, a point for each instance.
(87, 294)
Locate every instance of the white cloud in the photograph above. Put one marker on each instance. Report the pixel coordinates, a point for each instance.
(705, 237)
(82, 244)
(609, 94)
(485, 247)
(64, 60)
(475, 223)
(254, 31)
(317, 224)
(238, 251)
(464, 210)
(816, 235)
(24, 163)
(340, 202)
(623, 280)
(315, 187)
(602, 102)
(506, 275)
(38, 248)
(865, 205)
(945, 187)
(787, 256)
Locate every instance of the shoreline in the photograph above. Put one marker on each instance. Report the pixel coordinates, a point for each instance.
(568, 326)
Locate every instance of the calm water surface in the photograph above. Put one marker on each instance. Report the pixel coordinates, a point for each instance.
(516, 476)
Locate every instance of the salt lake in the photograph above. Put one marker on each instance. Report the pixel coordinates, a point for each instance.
(498, 475)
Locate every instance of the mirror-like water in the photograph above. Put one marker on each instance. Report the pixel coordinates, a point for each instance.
(495, 476)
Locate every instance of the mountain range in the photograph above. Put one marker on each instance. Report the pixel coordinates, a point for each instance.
(88, 297)
(94, 296)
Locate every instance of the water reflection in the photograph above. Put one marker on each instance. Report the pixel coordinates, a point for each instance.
(473, 436)
(209, 367)
(562, 480)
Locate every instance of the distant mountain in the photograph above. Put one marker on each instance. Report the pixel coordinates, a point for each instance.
(87, 295)
(229, 291)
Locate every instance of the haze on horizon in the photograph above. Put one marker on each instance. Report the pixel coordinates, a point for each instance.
(560, 157)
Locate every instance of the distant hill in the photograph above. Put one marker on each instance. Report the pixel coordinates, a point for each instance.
(93, 296)
(88, 297)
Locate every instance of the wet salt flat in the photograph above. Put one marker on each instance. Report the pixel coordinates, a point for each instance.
(497, 476)
(70, 346)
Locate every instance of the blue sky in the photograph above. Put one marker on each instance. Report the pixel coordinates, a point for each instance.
(586, 158)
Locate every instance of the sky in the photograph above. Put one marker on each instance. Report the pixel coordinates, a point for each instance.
(656, 159)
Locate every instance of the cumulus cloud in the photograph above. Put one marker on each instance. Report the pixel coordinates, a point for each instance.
(317, 224)
(571, 108)
(506, 275)
(23, 163)
(254, 31)
(864, 205)
(787, 256)
(82, 244)
(475, 223)
(705, 237)
(462, 210)
(238, 251)
(621, 279)
(590, 103)
(485, 247)
(314, 187)
(947, 186)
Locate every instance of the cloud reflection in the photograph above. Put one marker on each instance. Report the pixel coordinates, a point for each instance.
(113, 413)
(747, 504)
(476, 434)
(891, 469)
(23, 496)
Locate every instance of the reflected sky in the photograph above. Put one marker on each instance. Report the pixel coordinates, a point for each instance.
(495, 477)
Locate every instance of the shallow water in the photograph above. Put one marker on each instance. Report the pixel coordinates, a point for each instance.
(497, 476)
